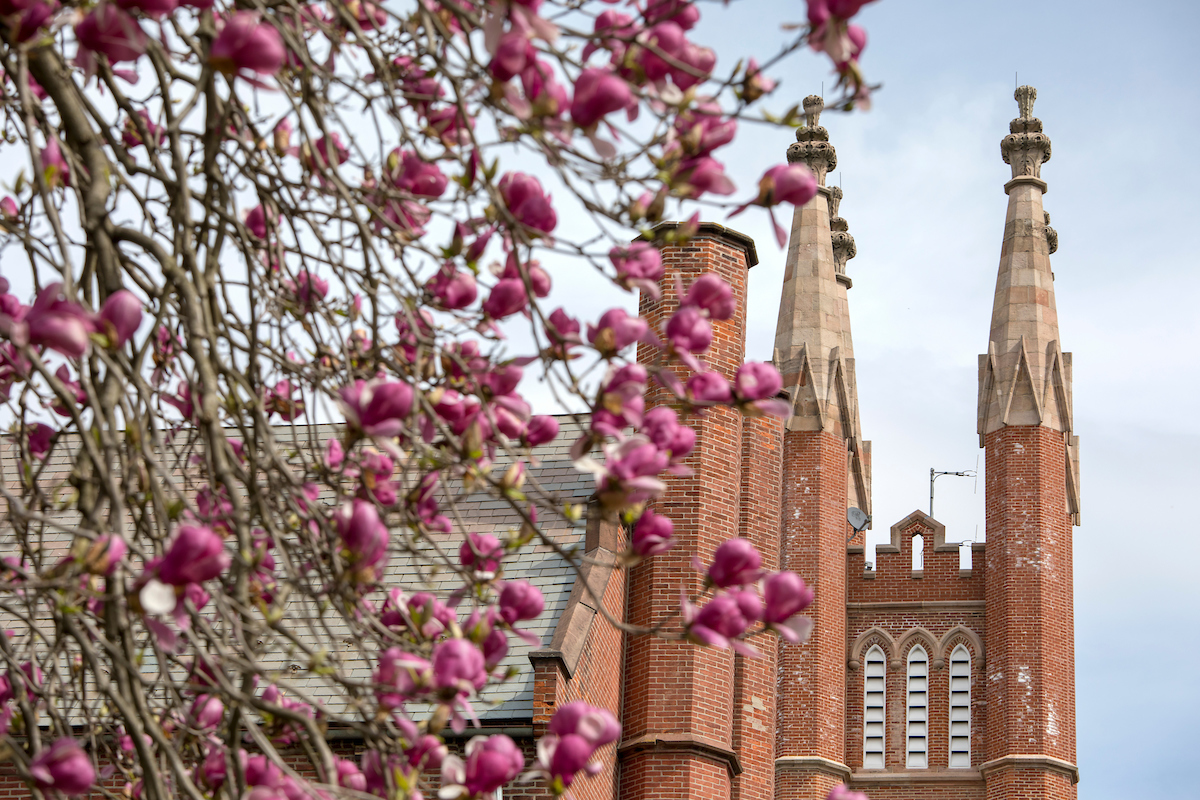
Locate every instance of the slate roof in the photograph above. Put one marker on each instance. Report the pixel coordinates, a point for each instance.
(511, 701)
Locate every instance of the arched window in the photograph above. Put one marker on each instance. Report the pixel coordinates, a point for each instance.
(960, 707)
(918, 708)
(918, 547)
(875, 675)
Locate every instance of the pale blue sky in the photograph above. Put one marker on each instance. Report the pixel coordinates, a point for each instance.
(924, 197)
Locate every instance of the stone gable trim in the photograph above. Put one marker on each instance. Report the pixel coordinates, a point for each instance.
(1031, 761)
(571, 631)
(813, 764)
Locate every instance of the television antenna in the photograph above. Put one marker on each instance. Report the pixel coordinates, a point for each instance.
(935, 474)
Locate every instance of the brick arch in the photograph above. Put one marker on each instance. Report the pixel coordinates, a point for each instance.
(918, 635)
(961, 634)
(871, 636)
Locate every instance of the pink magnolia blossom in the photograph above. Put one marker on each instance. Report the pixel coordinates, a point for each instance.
(40, 436)
(513, 52)
(247, 45)
(31, 19)
(757, 381)
(629, 474)
(700, 175)
(598, 92)
(537, 278)
(427, 752)
(458, 667)
(362, 532)
(207, 712)
(520, 601)
(279, 400)
(63, 767)
(120, 316)
(842, 792)
(785, 595)
(661, 425)
(112, 32)
(542, 429)
(787, 183)
(197, 554)
(410, 173)
(452, 288)
(699, 62)
(491, 762)
(610, 24)
(377, 407)
(666, 37)
(616, 330)
(708, 387)
(507, 297)
(597, 726)
(8, 209)
(259, 219)
(401, 676)
(736, 562)
(527, 202)
(689, 331)
(56, 323)
(349, 776)
(63, 375)
(721, 621)
(652, 534)
(701, 130)
(682, 12)
(638, 266)
(562, 757)
(711, 293)
(481, 552)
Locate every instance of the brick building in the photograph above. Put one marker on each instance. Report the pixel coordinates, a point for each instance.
(921, 679)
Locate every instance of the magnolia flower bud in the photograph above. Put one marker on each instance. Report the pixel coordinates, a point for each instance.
(121, 316)
(63, 767)
(520, 601)
(197, 554)
(735, 563)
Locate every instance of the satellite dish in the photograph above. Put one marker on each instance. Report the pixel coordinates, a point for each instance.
(857, 519)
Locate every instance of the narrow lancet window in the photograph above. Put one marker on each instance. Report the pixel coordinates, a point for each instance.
(918, 547)
(918, 708)
(875, 676)
(960, 708)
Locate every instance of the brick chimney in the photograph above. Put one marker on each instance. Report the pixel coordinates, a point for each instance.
(679, 730)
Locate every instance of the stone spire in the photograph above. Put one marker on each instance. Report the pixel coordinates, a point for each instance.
(814, 350)
(1025, 378)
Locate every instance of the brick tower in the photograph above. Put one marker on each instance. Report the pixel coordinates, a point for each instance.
(682, 737)
(825, 470)
(1025, 426)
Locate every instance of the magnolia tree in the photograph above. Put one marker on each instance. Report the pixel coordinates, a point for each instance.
(236, 220)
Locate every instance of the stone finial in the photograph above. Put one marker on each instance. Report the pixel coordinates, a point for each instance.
(1025, 97)
(813, 106)
(1025, 148)
(812, 145)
